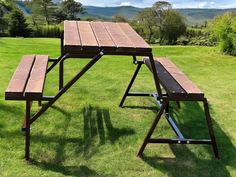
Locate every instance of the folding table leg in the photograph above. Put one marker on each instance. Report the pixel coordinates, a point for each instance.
(61, 75)
(154, 124)
(130, 84)
(27, 130)
(210, 129)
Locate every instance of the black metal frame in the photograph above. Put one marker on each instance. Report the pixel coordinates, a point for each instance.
(163, 101)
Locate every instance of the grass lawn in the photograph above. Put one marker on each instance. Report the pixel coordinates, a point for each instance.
(85, 133)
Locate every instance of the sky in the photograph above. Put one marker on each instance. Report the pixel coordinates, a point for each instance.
(176, 3)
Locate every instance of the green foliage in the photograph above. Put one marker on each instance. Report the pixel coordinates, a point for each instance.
(224, 31)
(49, 31)
(69, 10)
(196, 36)
(42, 12)
(3, 23)
(172, 26)
(119, 18)
(146, 24)
(160, 21)
(18, 25)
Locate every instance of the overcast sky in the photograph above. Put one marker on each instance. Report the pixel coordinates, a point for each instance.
(175, 3)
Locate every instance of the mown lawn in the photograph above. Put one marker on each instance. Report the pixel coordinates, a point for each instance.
(85, 133)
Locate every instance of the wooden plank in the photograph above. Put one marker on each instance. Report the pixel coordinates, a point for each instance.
(166, 80)
(72, 41)
(35, 85)
(19, 79)
(137, 40)
(103, 38)
(88, 39)
(179, 76)
(121, 41)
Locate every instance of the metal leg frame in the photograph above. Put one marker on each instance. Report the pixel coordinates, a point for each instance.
(164, 109)
(163, 102)
(51, 99)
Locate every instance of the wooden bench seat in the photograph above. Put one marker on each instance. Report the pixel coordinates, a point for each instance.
(175, 82)
(28, 80)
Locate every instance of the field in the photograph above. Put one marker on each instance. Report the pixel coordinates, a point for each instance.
(85, 133)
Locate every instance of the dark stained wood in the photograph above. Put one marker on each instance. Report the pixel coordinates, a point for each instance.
(173, 80)
(88, 39)
(28, 79)
(165, 78)
(103, 38)
(113, 38)
(134, 37)
(35, 85)
(180, 77)
(118, 36)
(16, 87)
(72, 41)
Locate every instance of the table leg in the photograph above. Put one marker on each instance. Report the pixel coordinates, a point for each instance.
(157, 83)
(61, 74)
(27, 130)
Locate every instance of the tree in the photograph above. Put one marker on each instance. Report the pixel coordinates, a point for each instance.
(3, 22)
(159, 7)
(118, 18)
(17, 24)
(172, 27)
(146, 21)
(42, 11)
(69, 10)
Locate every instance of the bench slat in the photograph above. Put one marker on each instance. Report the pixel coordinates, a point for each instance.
(165, 78)
(35, 85)
(179, 76)
(16, 87)
(173, 80)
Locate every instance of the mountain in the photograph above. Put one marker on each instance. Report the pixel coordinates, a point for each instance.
(199, 16)
(128, 12)
(193, 16)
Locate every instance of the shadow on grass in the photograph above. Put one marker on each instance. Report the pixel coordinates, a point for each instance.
(96, 121)
(98, 129)
(190, 120)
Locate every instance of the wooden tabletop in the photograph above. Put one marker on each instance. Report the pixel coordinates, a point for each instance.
(113, 38)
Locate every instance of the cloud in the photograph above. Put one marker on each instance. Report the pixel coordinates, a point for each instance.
(125, 4)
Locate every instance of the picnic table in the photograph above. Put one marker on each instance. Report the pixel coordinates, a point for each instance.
(92, 40)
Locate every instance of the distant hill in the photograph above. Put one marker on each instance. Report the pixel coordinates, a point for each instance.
(128, 12)
(193, 16)
(199, 16)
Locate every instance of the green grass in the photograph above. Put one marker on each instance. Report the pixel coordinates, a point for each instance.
(85, 133)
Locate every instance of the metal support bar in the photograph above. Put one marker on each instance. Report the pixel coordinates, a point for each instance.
(210, 129)
(130, 84)
(57, 61)
(140, 94)
(67, 86)
(27, 130)
(152, 128)
(61, 74)
(156, 79)
(174, 126)
(179, 141)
